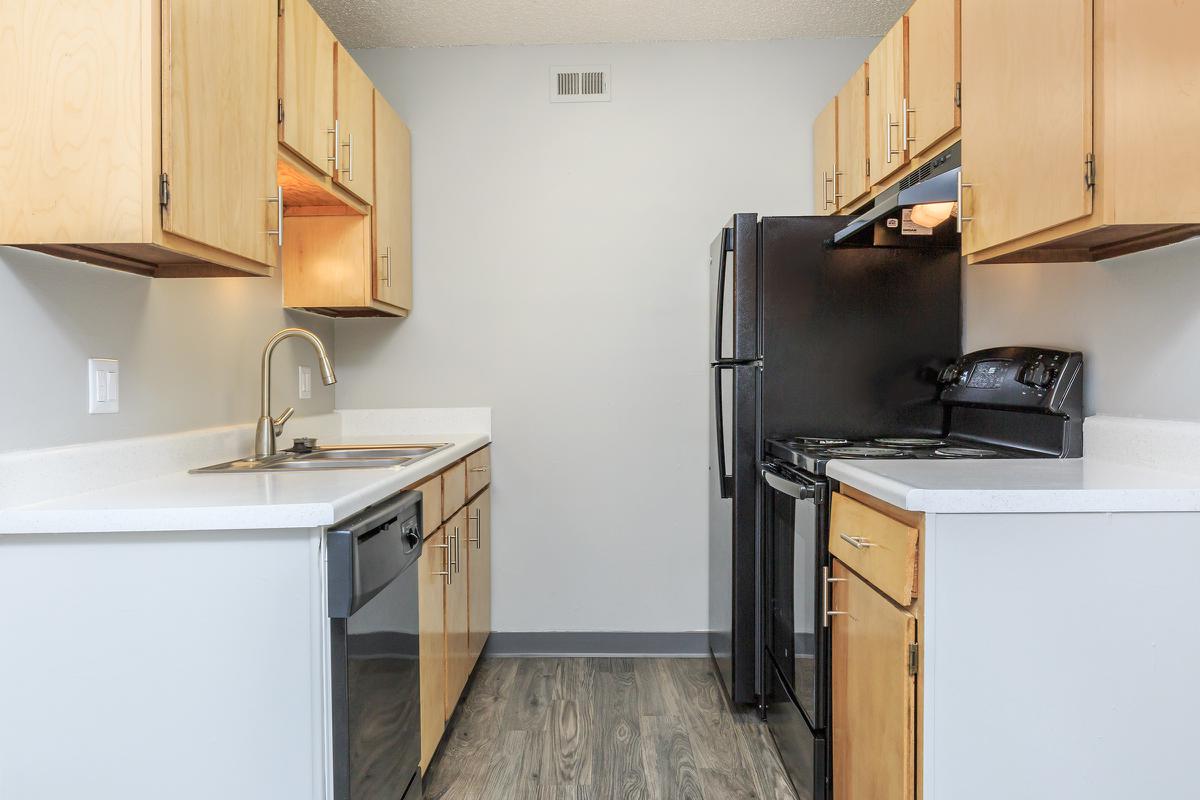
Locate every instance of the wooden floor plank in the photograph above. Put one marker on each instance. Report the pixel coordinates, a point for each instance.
(670, 763)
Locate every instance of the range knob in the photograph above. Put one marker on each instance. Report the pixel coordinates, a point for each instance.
(949, 374)
(1037, 375)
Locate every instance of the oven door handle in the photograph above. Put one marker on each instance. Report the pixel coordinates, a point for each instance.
(800, 491)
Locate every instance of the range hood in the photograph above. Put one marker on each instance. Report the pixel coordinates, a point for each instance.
(888, 221)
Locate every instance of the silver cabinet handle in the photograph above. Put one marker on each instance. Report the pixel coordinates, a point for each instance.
(452, 554)
(837, 184)
(478, 528)
(825, 181)
(448, 571)
(386, 257)
(336, 130)
(825, 581)
(961, 212)
(479, 469)
(348, 170)
(457, 551)
(907, 111)
(278, 201)
(858, 542)
(888, 133)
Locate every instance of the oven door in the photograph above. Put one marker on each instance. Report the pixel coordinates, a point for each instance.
(795, 512)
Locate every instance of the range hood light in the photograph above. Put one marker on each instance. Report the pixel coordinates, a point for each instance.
(930, 215)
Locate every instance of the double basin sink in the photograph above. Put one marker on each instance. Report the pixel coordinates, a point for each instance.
(358, 456)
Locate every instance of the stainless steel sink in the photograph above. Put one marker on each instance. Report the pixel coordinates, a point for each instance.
(349, 456)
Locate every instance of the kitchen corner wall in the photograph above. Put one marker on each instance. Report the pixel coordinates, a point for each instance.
(561, 278)
(189, 351)
(1136, 319)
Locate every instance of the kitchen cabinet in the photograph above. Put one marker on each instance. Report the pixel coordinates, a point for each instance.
(1077, 118)
(434, 580)
(479, 470)
(306, 83)
(933, 73)
(454, 489)
(887, 72)
(458, 656)
(825, 160)
(142, 135)
(393, 208)
(852, 180)
(479, 579)
(354, 124)
(873, 692)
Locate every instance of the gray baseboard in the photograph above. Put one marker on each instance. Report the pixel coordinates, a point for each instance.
(677, 644)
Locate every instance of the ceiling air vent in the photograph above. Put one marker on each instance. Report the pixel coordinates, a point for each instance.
(580, 85)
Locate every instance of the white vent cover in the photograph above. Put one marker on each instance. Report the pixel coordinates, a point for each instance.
(580, 85)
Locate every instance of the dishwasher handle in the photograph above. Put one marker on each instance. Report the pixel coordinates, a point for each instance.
(368, 551)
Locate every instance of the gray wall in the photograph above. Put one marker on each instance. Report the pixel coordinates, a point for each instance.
(189, 350)
(1136, 319)
(561, 258)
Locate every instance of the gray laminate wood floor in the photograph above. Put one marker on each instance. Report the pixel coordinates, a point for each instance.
(603, 728)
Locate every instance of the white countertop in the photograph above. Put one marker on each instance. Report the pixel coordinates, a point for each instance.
(1021, 485)
(178, 501)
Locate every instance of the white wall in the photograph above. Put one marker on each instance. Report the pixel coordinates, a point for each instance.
(561, 256)
(189, 351)
(1136, 319)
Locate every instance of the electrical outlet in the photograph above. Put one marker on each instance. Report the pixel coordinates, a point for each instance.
(306, 383)
(104, 385)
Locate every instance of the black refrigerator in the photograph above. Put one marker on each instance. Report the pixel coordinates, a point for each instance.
(808, 339)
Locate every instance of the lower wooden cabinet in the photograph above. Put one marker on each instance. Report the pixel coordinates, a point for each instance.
(874, 699)
(434, 573)
(455, 594)
(458, 660)
(479, 569)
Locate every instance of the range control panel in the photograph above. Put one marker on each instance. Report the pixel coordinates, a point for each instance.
(1033, 378)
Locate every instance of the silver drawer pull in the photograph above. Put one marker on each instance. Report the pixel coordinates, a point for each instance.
(857, 542)
(825, 581)
(479, 469)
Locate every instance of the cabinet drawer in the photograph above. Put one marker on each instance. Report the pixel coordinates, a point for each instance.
(479, 471)
(431, 505)
(881, 549)
(454, 489)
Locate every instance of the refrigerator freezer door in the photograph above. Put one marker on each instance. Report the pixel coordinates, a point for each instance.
(733, 295)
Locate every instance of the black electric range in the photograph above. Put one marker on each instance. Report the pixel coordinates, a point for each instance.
(1010, 402)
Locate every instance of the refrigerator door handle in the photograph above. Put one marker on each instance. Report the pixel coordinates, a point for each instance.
(722, 269)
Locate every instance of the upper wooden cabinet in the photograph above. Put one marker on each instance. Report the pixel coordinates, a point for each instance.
(887, 69)
(852, 179)
(306, 84)
(933, 72)
(354, 124)
(140, 135)
(825, 161)
(393, 208)
(1079, 122)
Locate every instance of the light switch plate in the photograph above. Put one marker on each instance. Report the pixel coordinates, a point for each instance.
(104, 385)
(306, 383)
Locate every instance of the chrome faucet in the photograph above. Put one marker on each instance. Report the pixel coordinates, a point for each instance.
(270, 427)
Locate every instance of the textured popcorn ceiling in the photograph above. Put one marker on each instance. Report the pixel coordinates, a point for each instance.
(423, 23)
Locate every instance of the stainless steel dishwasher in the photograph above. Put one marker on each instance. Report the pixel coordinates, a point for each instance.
(373, 621)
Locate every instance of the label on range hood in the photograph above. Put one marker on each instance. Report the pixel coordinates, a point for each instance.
(910, 228)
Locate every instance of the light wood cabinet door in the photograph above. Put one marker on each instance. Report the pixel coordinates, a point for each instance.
(454, 489)
(355, 126)
(434, 566)
(852, 179)
(825, 163)
(479, 583)
(219, 129)
(874, 692)
(393, 207)
(887, 74)
(458, 657)
(431, 504)
(306, 78)
(1026, 117)
(933, 48)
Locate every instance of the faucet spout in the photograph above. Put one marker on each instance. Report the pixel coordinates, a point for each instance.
(269, 428)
